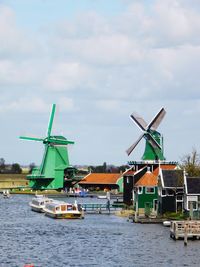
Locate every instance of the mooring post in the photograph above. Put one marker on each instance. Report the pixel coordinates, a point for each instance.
(191, 210)
(136, 212)
(185, 234)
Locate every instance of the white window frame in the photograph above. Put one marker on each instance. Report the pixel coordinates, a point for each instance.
(140, 190)
(163, 195)
(150, 192)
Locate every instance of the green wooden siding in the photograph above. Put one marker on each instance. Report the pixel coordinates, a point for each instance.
(120, 184)
(146, 198)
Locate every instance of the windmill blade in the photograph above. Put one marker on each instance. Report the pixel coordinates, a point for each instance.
(152, 141)
(51, 120)
(157, 120)
(131, 148)
(31, 138)
(141, 123)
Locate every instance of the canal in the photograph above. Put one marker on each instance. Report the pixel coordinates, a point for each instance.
(98, 240)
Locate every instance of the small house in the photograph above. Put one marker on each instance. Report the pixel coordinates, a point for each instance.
(170, 190)
(192, 193)
(146, 194)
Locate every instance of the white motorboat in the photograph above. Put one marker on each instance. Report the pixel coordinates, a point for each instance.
(63, 210)
(38, 203)
(102, 196)
(6, 193)
(167, 223)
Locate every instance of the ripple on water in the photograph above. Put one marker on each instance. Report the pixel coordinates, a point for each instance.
(98, 240)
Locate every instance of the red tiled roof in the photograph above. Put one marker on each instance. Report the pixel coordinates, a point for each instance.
(164, 167)
(148, 179)
(101, 178)
(129, 172)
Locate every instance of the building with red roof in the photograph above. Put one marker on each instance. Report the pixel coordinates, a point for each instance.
(137, 171)
(103, 181)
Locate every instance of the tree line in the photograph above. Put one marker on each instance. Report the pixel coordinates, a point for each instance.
(189, 162)
(9, 168)
(108, 168)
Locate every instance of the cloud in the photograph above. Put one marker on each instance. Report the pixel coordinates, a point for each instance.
(23, 104)
(15, 42)
(65, 76)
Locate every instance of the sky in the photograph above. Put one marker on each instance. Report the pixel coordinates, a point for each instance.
(98, 61)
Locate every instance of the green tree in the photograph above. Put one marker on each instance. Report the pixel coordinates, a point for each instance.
(31, 167)
(2, 164)
(191, 163)
(16, 168)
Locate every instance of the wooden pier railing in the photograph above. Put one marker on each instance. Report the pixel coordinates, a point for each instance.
(99, 208)
(185, 229)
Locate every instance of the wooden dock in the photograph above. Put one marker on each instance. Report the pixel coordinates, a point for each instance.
(147, 220)
(99, 208)
(185, 229)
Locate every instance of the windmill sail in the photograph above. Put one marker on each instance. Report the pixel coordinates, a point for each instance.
(131, 148)
(154, 144)
(51, 120)
(140, 122)
(157, 120)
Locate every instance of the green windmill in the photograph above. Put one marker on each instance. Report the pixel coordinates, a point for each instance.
(54, 171)
(154, 140)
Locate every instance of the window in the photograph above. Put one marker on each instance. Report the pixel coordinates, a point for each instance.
(192, 204)
(127, 180)
(163, 193)
(140, 189)
(170, 192)
(178, 197)
(155, 204)
(150, 190)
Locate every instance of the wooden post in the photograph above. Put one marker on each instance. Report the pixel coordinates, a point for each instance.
(136, 211)
(185, 234)
(191, 210)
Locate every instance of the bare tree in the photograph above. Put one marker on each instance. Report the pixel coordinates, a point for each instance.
(191, 163)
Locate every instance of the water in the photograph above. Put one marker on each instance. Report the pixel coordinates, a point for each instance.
(98, 240)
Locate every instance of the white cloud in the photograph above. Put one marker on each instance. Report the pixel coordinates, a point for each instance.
(66, 76)
(35, 104)
(15, 43)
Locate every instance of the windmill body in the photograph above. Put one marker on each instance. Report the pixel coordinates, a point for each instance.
(153, 152)
(55, 171)
(154, 141)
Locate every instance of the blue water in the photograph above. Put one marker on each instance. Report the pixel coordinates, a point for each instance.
(98, 240)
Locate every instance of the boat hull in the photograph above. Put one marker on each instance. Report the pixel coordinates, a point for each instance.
(37, 209)
(64, 215)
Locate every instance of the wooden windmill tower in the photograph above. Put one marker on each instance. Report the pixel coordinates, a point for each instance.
(154, 141)
(55, 171)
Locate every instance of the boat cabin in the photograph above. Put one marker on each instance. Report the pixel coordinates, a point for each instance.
(57, 207)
